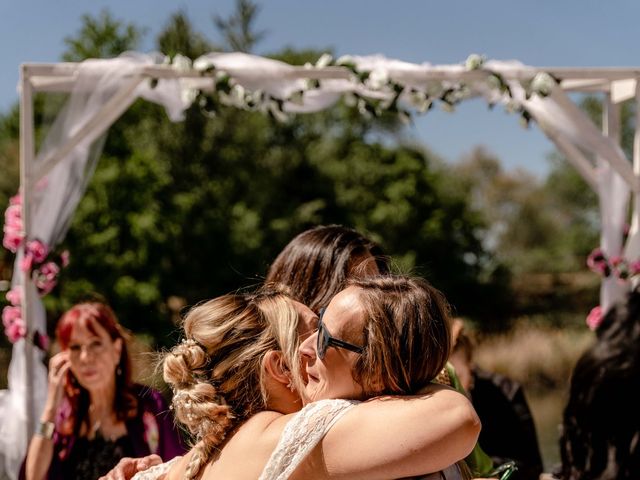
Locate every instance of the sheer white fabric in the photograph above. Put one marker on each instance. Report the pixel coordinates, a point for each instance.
(53, 200)
(103, 89)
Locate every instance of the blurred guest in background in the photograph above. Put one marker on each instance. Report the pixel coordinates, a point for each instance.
(601, 422)
(94, 414)
(508, 432)
(317, 263)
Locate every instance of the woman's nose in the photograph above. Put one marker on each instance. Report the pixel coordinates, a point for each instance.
(308, 347)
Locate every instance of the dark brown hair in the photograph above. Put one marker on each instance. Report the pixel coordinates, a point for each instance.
(601, 423)
(316, 264)
(406, 335)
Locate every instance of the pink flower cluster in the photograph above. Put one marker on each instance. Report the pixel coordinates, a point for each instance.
(13, 231)
(14, 326)
(617, 265)
(36, 261)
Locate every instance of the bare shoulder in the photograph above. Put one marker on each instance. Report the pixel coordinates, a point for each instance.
(269, 426)
(176, 472)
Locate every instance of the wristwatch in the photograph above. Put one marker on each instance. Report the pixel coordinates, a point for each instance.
(46, 429)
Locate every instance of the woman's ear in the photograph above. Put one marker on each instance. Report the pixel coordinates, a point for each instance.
(275, 367)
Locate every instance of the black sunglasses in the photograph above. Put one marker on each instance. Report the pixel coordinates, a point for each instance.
(325, 340)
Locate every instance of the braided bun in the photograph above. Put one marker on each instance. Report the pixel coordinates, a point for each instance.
(216, 374)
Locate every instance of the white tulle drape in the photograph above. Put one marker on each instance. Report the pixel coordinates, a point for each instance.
(103, 89)
(53, 200)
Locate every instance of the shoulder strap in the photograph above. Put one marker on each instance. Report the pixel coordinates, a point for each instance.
(303, 432)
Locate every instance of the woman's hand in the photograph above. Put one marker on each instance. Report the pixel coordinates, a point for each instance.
(58, 367)
(128, 467)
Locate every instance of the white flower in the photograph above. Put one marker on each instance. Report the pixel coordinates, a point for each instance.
(345, 60)
(420, 101)
(181, 63)
(378, 78)
(202, 64)
(188, 95)
(474, 61)
(512, 106)
(542, 84)
(235, 97)
(238, 94)
(324, 60)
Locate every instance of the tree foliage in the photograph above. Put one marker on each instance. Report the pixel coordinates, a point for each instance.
(179, 212)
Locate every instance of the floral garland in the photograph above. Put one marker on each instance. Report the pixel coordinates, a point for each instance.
(616, 266)
(39, 262)
(448, 94)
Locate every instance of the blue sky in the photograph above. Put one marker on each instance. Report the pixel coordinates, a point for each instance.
(540, 33)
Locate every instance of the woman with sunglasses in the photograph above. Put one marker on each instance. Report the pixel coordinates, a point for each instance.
(379, 337)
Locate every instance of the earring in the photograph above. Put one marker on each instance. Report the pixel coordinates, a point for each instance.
(290, 386)
(119, 371)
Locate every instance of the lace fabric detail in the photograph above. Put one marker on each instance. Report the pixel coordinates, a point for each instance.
(303, 432)
(156, 472)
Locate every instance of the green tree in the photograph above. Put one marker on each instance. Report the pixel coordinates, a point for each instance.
(180, 212)
(238, 30)
(179, 37)
(102, 37)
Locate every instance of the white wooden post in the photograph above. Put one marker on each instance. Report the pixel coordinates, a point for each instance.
(635, 218)
(26, 187)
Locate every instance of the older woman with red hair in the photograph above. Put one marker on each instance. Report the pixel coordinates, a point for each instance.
(94, 413)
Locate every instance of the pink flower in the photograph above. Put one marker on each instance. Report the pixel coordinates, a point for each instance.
(11, 315)
(597, 262)
(38, 249)
(635, 267)
(46, 277)
(16, 199)
(594, 319)
(16, 331)
(13, 216)
(64, 258)
(15, 296)
(12, 239)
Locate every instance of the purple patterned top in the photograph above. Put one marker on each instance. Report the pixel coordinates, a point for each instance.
(152, 430)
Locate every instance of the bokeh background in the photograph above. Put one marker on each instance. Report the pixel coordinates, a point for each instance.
(486, 210)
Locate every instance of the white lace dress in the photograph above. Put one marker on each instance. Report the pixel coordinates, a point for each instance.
(299, 437)
(307, 428)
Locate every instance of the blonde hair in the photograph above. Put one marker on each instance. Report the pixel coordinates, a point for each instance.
(216, 372)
